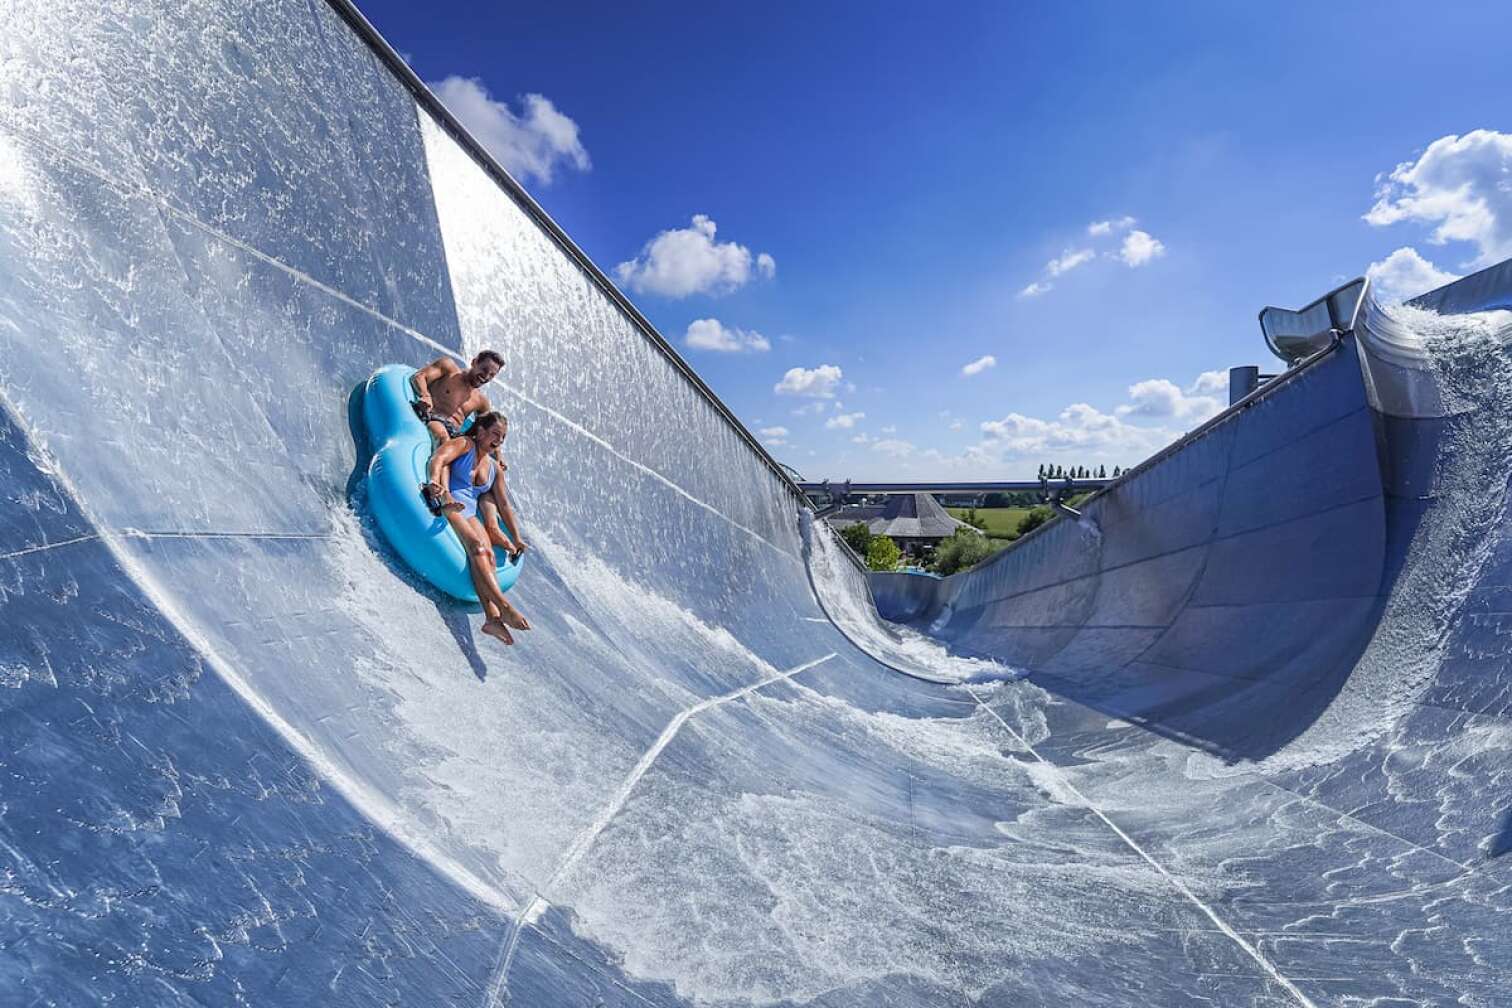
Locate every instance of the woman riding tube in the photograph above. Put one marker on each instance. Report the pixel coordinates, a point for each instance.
(473, 500)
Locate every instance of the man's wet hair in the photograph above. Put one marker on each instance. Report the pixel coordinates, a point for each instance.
(489, 355)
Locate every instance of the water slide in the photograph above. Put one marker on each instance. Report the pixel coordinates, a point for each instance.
(1238, 737)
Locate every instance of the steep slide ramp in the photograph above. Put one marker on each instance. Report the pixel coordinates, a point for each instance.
(248, 760)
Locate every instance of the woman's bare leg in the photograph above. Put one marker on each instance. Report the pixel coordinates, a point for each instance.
(488, 512)
(481, 567)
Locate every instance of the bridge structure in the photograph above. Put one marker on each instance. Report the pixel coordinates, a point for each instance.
(927, 486)
(828, 494)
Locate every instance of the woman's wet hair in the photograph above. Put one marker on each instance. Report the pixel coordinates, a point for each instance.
(483, 421)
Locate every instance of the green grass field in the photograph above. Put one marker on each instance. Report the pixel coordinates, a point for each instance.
(999, 520)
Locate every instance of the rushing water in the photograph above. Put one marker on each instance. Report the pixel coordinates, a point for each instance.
(842, 590)
(251, 760)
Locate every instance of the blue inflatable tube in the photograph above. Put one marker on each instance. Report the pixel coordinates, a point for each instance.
(401, 449)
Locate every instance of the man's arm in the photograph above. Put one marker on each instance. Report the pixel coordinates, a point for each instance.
(477, 404)
(434, 371)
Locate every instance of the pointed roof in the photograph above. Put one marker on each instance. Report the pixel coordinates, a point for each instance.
(902, 516)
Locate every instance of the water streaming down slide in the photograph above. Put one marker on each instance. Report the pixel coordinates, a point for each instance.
(248, 759)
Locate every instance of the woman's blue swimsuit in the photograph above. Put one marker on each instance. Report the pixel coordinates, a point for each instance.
(460, 483)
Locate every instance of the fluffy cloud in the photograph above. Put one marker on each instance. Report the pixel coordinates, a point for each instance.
(814, 383)
(956, 425)
(774, 436)
(532, 144)
(844, 421)
(684, 261)
(1462, 185)
(1104, 227)
(1404, 274)
(1079, 428)
(1210, 383)
(979, 365)
(1139, 247)
(890, 429)
(1160, 397)
(893, 447)
(1156, 412)
(711, 334)
(1068, 261)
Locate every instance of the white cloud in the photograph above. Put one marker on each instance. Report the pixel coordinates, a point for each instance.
(711, 334)
(893, 447)
(1404, 274)
(1068, 261)
(684, 261)
(890, 429)
(844, 421)
(815, 383)
(529, 145)
(1139, 247)
(1078, 428)
(1460, 184)
(1160, 397)
(1210, 383)
(1104, 227)
(774, 436)
(979, 365)
(1035, 289)
(1155, 414)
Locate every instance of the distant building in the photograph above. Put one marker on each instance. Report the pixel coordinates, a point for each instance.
(912, 520)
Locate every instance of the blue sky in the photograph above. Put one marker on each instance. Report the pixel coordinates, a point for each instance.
(832, 210)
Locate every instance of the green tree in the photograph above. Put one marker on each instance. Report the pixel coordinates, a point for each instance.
(962, 550)
(1033, 520)
(975, 520)
(1102, 472)
(858, 537)
(998, 499)
(883, 554)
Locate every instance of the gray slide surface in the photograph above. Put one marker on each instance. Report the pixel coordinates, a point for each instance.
(1239, 738)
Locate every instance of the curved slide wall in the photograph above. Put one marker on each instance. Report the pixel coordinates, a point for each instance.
(1273, 516)
(248, 760)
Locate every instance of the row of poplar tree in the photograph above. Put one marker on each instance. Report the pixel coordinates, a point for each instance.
(1076, 472)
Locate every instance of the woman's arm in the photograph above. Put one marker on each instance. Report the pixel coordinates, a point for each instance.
(500, 494)
(443, 457)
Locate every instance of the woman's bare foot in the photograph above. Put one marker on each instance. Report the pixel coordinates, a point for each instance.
(510, 615)
(498, 630)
